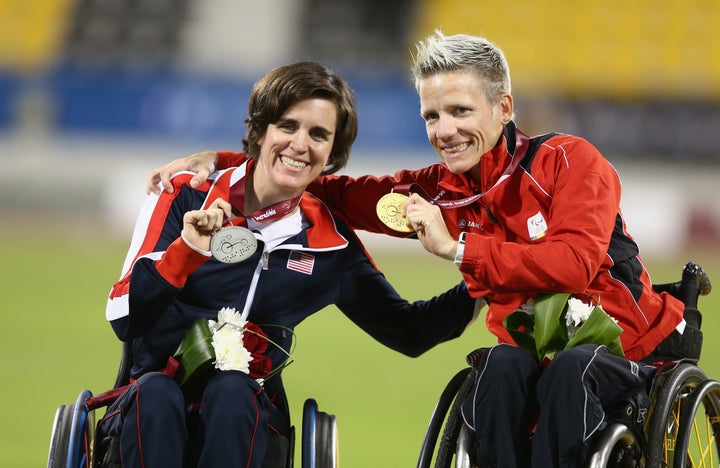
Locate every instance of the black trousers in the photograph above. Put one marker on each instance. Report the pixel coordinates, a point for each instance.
(525, 416)
(232, 427)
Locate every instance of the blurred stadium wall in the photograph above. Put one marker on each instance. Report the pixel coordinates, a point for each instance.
(94, 93)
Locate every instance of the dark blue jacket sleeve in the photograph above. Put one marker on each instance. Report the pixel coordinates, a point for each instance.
(411, 328)
(374, 305)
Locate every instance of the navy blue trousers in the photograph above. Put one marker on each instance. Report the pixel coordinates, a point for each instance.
(563, 406)
(233, 423)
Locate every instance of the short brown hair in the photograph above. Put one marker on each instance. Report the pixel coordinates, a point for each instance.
(281, 88)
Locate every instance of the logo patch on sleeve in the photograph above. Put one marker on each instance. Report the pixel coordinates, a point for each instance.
(536, 226)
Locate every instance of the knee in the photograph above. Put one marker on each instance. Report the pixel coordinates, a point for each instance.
(507, 359)
(230, 389)
(572, 360)
(234, 382)
(160, 389)
(569, 365)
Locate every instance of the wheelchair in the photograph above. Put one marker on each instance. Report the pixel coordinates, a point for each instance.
(73, 443)
(681, 428)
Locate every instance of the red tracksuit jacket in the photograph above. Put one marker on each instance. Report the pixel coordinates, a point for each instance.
(553, 225)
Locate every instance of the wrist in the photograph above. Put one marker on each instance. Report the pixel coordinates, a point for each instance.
(195, 243)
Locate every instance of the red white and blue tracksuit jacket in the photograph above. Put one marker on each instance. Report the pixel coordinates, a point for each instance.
(166, 285)
(553, 225)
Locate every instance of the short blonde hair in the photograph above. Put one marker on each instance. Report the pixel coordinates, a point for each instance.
(461, 52)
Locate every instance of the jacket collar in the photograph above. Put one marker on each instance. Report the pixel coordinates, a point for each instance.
(321, 234)
(492, 165)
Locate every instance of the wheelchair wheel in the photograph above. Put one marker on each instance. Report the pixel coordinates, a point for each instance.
(72, 435)
(319, 437)
(668, 396)
(447, 411)
(60, 436)
(617, 448)
(697, 443)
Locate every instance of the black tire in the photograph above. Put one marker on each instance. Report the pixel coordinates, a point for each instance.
(667, 398)
(454, 391)
(698, 442)
(447, 445)
(319, 438)
(60, 436)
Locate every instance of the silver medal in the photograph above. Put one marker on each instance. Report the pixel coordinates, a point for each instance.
(233, 244)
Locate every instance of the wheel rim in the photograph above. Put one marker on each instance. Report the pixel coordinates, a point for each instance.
(59, 441)
(668, 397)
(699, 428)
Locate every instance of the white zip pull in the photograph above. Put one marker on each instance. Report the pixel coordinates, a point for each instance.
(265, 260)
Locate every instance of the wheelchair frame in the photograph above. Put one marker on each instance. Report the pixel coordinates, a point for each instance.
(675, 433)
(73, 443)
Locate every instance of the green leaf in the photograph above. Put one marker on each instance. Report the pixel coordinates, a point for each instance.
(196, 352)
(599, 328)
(550, 328)
(520, 325)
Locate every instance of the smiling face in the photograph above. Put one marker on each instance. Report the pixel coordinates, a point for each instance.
(461, 124)
(295, 149)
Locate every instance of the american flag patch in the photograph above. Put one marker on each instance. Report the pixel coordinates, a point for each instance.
(301, 261)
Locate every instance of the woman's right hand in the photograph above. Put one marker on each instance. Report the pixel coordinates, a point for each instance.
(203, 164)
(200, 225)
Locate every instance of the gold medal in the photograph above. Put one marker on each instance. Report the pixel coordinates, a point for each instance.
(389, 210)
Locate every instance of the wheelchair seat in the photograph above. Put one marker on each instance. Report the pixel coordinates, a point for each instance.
(73, 443)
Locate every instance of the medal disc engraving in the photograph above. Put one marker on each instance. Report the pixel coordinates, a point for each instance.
(233, 244)
(389, 210)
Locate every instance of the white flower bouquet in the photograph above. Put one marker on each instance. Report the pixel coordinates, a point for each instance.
(228, 343)
(560, 321)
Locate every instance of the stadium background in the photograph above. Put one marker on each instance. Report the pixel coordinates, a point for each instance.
(94, 93)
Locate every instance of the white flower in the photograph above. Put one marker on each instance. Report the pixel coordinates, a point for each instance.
(529, 307)
(577, 312)
(227, 340)
(227, 315)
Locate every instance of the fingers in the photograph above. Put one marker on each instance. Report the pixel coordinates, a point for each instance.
(151, 182)
(413, 199)
(200, 225)
(223, 205)
(418, 227)
(163, 175)
(204, 221)
(211, 218)
(203, 164)
(201, 176)
(417, 211)
(427, 221)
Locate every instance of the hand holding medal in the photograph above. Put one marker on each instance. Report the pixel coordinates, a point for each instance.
(422, 216)
(230, 243)
(205, 230)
